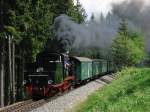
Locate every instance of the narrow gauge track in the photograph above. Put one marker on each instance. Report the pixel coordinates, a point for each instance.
(29, 105)
(12, 107)
(23, 106)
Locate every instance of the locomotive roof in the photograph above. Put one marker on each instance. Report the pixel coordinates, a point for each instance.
(82, 58)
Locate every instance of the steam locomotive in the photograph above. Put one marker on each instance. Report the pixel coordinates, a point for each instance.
(54, 72)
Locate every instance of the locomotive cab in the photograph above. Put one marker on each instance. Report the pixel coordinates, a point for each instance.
(52, 64)
(49, 70)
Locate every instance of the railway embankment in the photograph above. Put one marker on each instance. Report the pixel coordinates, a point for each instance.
(129, 93)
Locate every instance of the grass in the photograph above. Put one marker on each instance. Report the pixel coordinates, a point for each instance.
(129, 93)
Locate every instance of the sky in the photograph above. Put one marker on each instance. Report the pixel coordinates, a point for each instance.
(97, 6)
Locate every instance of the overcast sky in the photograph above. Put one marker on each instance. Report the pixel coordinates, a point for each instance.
(97, 6)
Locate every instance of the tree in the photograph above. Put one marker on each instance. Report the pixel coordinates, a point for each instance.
(2, 70)
(121, 51)
(92, 17)
(102, 18)
(128, 47)
(138, 53)
(29, 22)
(6, 87)
(77, 12)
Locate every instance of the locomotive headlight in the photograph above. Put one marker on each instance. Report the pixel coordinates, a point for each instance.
(50, 81)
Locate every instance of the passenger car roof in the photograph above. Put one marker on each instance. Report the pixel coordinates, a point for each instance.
(99, 60)
(82, 59)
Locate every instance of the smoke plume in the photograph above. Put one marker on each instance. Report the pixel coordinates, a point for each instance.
(102, 32)
(137, 12)
(88, 35)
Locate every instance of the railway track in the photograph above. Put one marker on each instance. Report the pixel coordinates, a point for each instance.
(12, 107)
(24, 106)
(29, 105)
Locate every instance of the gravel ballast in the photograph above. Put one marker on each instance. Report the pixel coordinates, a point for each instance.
(69, 100)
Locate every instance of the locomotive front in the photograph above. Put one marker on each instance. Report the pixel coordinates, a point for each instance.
(46, 76)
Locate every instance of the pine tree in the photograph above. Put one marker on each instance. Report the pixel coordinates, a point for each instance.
(127, 47)
(102, 17)
(77, 12)
(123, 30)
(92, 17)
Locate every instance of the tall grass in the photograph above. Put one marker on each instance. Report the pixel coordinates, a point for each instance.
(129, 93)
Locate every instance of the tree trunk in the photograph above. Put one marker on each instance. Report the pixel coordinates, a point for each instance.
(22, 76)
(13, 73)
(10, 70)
(19, 76)
(2, 57)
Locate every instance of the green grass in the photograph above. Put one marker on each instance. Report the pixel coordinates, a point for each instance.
(129, 93)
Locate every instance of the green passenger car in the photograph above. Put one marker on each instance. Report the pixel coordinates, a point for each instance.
(109, 66)
(96, 67)
(82, 68)
(104, 66)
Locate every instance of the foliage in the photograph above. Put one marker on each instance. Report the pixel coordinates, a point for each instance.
(77, 12)
(128, 47)
(32, 21)
(34, 24)
(92, 17)
(128, 93)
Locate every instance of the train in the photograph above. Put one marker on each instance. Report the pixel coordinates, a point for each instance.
(54, 72)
